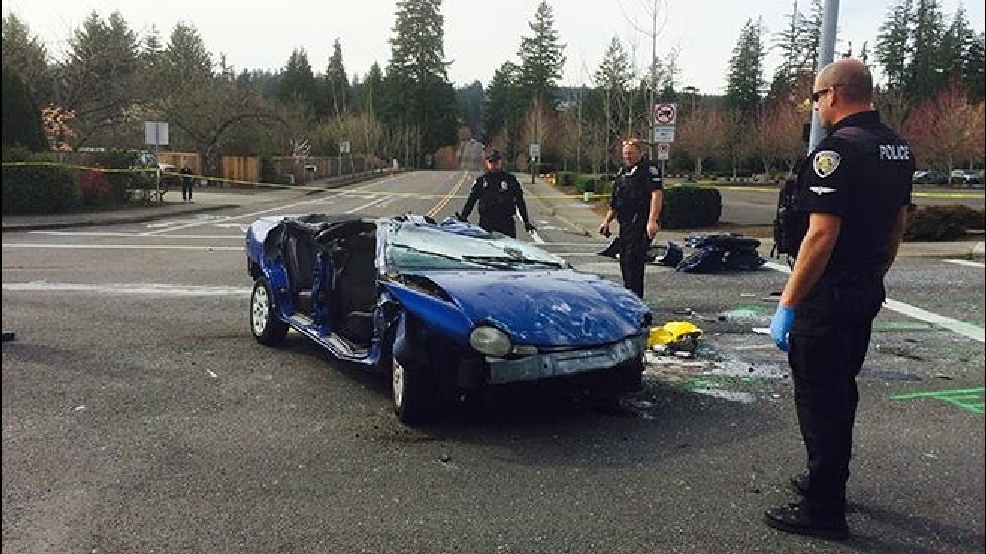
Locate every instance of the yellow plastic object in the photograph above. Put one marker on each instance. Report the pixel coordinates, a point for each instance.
(672, 332)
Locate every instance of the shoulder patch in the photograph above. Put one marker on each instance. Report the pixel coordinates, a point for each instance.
(825, 162)
(654, 170)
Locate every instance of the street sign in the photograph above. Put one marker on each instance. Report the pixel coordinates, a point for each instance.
(663, 150)
(344, 147)
(665, 114)
(535, 151)
(155, 133)
(663, 133)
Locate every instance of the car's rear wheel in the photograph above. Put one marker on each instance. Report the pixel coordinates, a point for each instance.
(412, 393)
(266, 327)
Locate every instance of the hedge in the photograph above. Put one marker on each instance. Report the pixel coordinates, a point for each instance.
(39, 189)
(689, 206)
(942, 223)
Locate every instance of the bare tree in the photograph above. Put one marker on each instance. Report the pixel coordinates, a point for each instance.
(945, 130)
(703, 135)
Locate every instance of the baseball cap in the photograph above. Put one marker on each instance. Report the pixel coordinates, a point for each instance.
(493, 155)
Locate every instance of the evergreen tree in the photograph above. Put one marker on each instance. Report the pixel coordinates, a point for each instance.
(613, 78)
(893, 48)
(502, 109)
(298, 82)
(470, 103)
(336, 83)
(925, 73)
(542, 57)
(188, 57)
(419, 96)
(21, 116)
(371, 91)
(97, 78)
(975, 68)
(745, 78)
(25, 55)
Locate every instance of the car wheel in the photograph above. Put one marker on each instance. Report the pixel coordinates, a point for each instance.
(412, 393)
(264, 323)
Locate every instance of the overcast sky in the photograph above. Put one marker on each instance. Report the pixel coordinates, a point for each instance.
(479, 35)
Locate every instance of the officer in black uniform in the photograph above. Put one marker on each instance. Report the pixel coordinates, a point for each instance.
(499, 195)
(851, 201)
(638, 194)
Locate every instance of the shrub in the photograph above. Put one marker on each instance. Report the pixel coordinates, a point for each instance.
(565, 178)
(585, 183)
(39, 189)
(942, 223)
(689, 206)
(95, 189)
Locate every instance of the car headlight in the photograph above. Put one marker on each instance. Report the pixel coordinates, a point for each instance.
(490, 341)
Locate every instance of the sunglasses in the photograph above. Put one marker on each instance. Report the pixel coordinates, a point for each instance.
(819, 93)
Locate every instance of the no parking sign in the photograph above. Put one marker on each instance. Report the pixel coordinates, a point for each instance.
(663, 150)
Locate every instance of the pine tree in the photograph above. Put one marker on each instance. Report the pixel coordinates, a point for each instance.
(745, 78)
(298, 82)
(336, 83)
(893, 49)
(25, 54)
(21, 116)
(925, 73)
(419, 96)
(542, 57)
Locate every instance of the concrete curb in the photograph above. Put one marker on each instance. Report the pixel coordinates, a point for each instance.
(97, 220)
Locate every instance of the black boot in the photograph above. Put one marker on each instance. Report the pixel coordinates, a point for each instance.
(798, 519)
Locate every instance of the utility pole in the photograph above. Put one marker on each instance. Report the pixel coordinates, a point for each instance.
(826, 53)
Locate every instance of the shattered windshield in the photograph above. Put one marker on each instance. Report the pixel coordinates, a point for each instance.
(428, 248)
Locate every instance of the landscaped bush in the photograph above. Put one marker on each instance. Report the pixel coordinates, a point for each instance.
(38, 189)
(565, 178)
(942, 223)
(585, 183)
(688, 206)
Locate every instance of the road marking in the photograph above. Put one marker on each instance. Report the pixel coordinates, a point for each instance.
(967, 399)
(965, 329)
(159, 289)
(367, 205)
(331, 195)
(448, 196)
(123, 246)
(969, 263)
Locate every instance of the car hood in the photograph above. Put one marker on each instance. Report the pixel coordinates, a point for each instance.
(546, 308)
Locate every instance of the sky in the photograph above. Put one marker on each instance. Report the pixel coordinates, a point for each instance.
(479, 36)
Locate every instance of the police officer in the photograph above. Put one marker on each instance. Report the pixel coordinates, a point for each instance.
(499, 195)
(852, 195)
(638, 195)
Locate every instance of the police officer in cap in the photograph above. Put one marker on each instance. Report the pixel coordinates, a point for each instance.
(499, 195)
(850, 207)
(638, 194)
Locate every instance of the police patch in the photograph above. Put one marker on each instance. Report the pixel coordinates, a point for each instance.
(503, 186)
(654, 170)
(825, 162)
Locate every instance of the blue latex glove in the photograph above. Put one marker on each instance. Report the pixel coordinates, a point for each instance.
(780, 326)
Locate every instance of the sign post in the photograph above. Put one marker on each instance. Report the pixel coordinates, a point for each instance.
(665, 120)
(156, 133)
(535, 155)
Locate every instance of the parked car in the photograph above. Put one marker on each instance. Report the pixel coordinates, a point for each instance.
(965, 177)
(930, 177)
(445, 308)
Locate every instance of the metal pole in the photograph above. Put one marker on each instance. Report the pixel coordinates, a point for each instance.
(653, 82)
(826, 53)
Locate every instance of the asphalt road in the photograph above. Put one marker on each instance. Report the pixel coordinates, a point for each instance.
(139, 415)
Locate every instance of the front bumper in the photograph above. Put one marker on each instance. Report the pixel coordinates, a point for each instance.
(570, 362)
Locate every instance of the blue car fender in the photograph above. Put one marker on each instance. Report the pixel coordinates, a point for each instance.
(440, 315)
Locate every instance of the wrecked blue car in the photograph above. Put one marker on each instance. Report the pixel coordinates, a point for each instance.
(445, 309)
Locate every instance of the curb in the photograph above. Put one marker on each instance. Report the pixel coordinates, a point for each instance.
(96, 220)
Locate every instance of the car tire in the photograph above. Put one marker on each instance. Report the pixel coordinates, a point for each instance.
(413, 394)
(266, 327)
